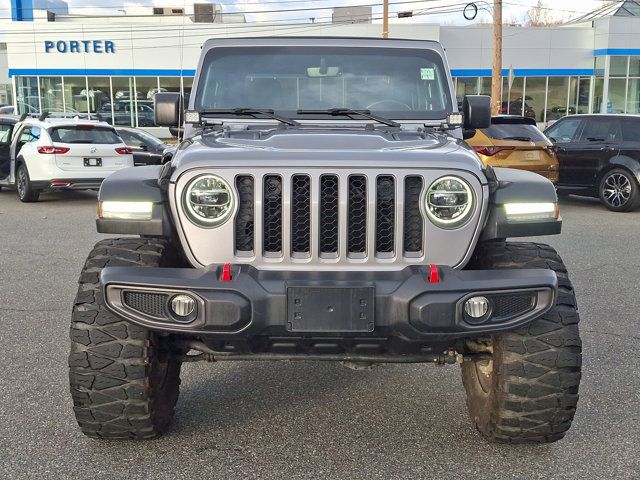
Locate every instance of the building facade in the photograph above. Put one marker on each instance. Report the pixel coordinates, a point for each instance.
(114, 66)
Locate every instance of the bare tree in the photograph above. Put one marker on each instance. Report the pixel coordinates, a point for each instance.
(541, 16)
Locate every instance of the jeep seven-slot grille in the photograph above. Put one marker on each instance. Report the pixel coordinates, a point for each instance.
(354, 216)
(328, 214)
(244, 218)
(272, 214)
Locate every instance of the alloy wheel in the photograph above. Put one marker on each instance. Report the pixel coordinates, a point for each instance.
(617, 190)
(22, 183)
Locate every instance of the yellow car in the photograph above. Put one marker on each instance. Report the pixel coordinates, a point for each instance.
(516, 142)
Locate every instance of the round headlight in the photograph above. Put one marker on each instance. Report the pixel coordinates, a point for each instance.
(449, 202)
(209, 200)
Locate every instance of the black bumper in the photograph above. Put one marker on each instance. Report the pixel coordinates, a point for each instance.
(265, 307)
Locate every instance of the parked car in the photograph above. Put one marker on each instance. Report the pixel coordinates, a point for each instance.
(124, 113)
(556, 112)
(515, 108)
(147, 149)
(516, 142)
(599, 156)
(45, 154)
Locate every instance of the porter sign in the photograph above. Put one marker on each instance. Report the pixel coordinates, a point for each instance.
(79, 46)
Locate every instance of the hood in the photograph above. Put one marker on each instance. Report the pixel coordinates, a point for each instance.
(318, 147)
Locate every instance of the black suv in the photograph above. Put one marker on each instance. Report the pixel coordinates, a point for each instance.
(599, 156)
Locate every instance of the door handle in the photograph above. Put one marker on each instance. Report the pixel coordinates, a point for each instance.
(607, 149)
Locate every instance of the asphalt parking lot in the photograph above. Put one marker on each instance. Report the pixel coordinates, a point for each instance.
(307, 420)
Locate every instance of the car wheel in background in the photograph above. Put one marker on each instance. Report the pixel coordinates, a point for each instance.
(619, 191)
(26, 192)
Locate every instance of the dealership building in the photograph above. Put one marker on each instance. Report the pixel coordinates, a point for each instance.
(53, 61)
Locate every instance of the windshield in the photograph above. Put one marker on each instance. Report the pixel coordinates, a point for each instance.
(394, 83)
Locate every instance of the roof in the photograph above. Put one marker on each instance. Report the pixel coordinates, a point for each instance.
(53, 121)
(625, 8)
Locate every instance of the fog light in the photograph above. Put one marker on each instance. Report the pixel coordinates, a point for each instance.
(476, 307)
(183, 305)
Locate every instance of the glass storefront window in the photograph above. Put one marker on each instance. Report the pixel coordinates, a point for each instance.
(598, 93)
(170, 84)
(27, 93)
(579, 94)
(485, 86)
(536, 91)
(75, 95)
(514, 104)
(557, 98)
(123, 101)
(100, 97)
(466, 86)
(633, 95)
(617, 95)
(618, 66)
(634, 66)
(187, 83)
(51, 94)
(146, 88)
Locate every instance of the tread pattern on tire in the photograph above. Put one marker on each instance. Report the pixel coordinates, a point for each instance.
(537, 368)
(114, 393)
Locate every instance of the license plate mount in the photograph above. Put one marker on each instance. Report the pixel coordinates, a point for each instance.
(93, 162)
(319, 309)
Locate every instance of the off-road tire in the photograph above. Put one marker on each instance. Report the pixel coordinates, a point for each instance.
(528, 392)
(26, 192)
(626, 184)
(124, 378)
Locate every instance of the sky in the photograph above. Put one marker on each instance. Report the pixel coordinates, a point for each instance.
(424, 11)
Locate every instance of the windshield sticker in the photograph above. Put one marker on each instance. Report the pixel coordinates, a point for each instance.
(427, 73)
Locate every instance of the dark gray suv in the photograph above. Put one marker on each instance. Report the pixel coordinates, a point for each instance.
(323, 206)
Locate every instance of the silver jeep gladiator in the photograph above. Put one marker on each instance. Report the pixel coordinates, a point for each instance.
(323, 205)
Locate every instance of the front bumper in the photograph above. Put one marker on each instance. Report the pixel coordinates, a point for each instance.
(256, 309)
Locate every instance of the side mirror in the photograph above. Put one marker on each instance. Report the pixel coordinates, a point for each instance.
(168, 109)
(477, 111)
(467, 134)
(176, 131)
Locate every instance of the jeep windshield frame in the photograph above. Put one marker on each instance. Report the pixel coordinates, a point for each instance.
(393, 83)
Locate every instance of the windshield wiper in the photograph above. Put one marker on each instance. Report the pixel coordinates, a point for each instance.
(252, 112)
(348, 112)
(519, 139)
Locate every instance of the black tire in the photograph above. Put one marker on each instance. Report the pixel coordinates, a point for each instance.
(528, 392)
(26, 192)
(124, 378)
(619, 191)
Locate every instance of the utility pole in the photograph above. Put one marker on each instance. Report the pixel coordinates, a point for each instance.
(496, 80)
(385, 19)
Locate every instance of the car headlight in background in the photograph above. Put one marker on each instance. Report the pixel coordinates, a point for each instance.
(531, 212)
(209, 200)
(449, 202)
(125, 210)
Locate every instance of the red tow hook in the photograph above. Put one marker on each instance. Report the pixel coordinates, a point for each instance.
(434, 274)
(226, 273)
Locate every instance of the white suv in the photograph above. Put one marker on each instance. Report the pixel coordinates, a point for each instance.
(61, 153)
